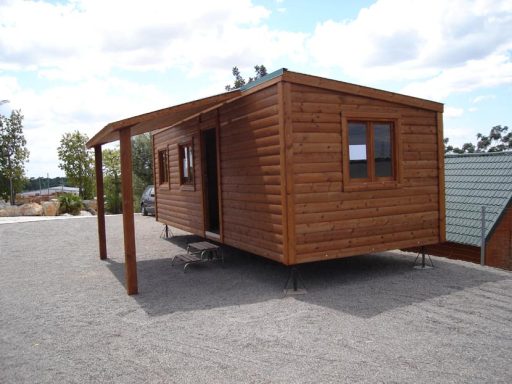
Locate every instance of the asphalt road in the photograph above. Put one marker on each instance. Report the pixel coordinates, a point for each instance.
(65, 316)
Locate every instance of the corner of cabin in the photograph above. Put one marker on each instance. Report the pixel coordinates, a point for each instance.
(366, 172)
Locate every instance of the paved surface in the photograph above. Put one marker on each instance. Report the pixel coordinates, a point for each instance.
(65, 317)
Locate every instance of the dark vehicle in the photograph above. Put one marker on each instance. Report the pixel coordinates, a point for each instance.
(147, 201)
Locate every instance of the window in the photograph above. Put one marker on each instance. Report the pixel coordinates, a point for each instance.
(186, 153)
(371, 152)
(163, 166)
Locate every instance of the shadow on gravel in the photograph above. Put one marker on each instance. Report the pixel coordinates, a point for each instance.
(362, 286)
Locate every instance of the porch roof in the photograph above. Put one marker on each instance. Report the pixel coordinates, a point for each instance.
(168, 117)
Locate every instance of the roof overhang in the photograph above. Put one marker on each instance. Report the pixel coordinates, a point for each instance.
(161, 118)
(168, 117)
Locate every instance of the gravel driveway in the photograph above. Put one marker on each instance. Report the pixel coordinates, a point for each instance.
(65, 316)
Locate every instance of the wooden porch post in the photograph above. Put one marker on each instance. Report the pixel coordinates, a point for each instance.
(98, 162)
(128, 222)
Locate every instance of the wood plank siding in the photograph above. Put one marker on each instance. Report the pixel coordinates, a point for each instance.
(331, 222)
(282, 189)
(498, 250)
(178, 206)
(452, 251)
(250, 176)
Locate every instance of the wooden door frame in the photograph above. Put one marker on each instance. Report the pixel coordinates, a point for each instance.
(206, 217)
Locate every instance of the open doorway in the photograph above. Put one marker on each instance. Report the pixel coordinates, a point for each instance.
(210, 183)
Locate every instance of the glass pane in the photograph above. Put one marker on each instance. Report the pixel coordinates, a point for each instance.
(382, 149)
(190, 164)
(185, 162)
(358, 161)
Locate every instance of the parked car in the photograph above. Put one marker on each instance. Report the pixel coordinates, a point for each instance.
(147, 201)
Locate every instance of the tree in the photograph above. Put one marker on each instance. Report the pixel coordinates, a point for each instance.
(142, 162)
(142, 165)
(13, 153)
(77, 162)
(112, 178)
(498, 140)
(240, 81)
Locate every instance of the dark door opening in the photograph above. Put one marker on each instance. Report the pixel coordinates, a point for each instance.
(210, 181)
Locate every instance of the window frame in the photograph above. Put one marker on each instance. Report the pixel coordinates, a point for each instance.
(163, 171)
(372, 181)
(189, 185)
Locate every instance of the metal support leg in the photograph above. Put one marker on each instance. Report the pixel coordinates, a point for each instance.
(295, 277)
(423, 260)
(165, 232)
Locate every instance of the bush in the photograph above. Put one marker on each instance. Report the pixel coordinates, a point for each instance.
(70, 203)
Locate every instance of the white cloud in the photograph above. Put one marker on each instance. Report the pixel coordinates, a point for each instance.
(81, 49)
(491, 71)
(86, 38)
(453, 112)
(85, 106)
(443, 46)
(481, 98)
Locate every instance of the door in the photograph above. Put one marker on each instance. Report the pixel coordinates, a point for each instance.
(210, 182)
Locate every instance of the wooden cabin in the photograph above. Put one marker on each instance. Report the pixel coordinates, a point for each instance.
(299, 168)
(474, 181)
(292, 167)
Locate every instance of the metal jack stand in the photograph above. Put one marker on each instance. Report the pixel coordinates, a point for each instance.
(165, 232)
(423, 265)
(295, 277)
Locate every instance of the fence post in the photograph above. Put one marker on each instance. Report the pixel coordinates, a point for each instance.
(482, 240)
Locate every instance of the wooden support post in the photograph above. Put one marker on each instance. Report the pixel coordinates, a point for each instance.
(128, 221)
(98, 162)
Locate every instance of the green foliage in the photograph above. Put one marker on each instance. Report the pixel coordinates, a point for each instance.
(112, 179)
(70, 203)
(498, 140)
(13, 155)
(142, 160)
(142, 163)
(240, 81)
(77, 162)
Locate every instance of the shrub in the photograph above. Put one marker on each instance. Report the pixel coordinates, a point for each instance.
(70, 203)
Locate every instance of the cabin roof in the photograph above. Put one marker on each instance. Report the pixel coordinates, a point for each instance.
(473, 181)
(167, 117)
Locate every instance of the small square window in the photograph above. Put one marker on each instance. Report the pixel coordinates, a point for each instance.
(186, 154)
(371, 147)
(163, 166)
(370, 150)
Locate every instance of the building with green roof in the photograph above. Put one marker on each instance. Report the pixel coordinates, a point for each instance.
(473, 181)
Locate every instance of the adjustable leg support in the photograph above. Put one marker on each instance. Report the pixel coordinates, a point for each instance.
(296, 279)
(165, 232)
(423, 264)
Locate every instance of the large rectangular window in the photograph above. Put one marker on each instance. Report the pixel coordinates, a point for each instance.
(371, 151)
(358, 150)
(163, 166)
(186, 154)
(382, 149)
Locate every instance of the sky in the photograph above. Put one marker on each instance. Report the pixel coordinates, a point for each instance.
(80, 64)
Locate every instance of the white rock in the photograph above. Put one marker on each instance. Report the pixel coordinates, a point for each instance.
(51, 208)
(31, 209)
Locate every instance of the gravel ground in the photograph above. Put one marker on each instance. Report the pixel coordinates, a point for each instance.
(65, 316)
